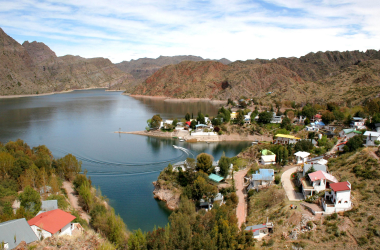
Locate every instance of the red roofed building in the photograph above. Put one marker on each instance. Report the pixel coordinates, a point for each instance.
(54, 222)
(339, 199)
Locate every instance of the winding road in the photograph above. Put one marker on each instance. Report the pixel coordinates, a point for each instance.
(241, 209)
(288, 187)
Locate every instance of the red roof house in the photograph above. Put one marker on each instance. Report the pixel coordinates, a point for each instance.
(54, 222)
(339, 199)
(340, 186)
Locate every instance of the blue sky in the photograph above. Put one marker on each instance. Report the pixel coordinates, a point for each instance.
(234, 29)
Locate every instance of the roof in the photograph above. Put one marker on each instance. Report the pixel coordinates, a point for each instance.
(218, 197)
(302, 154)
(287, 136)
(350, 130)
(268, 158)
(318, 116)
(357, 118)
(188, 123)
(316, 167)
(215, 177)
(263, 174)
(266, 152)
(18, 228)
(256, 227)
(320, 123)
(200, 125)
(49, 205)
(340, 186)
(372, 133)
(52, 221)
(343, 143)
(322, 175)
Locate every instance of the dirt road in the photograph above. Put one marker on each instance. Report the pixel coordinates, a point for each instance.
(288, 187)
(241, 210)
(73, 198)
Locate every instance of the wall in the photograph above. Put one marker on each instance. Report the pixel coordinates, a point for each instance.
(40, 232)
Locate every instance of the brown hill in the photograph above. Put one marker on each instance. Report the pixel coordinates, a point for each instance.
(34, 68)
(142, 68)
(353, 76)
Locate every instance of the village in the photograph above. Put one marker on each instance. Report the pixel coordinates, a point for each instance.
(295, 159)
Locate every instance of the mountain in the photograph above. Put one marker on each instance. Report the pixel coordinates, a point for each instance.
(142, 68)
(352, 75)
(33, 68)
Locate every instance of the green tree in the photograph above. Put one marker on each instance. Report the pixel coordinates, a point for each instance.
(202, 189)
(309, 111)
(86, 195)
(265, 117)
(328, 117)
(155, 122)
(30, 199)
(187, 117)
(286, 123)
(354, 143)
(240, 118)
(204, 162)
(303, 145)
(6, 164)
(224, 165)
(68, 167)
(201, 118)
(339, 116)
(193, 124)
(137, 240)
(175, 122)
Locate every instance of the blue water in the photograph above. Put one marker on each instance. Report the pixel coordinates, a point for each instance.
(122, 165)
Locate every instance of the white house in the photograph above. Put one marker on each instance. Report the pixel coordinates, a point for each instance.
(260, 230)
(319, 181)
(316, 167)
(285, 139)
(276, 119)
(301, 157)
(54, 222)
(339, 199)
(262, 178)
(358, 123)
(267, 157)
(312, 128)
(371, 137)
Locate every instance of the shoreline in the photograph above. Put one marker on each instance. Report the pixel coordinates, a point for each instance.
(45, 94)
(200, 138)
(171, 99)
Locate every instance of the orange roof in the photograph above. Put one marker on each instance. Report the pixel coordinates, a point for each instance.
(340, 186)
(52, 221)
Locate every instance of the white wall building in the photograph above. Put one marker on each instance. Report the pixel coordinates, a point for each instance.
(339, 199)
(301, 157)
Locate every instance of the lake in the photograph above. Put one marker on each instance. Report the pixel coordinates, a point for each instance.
(124, 166)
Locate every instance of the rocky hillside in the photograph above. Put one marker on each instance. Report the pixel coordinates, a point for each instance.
(142, 68)
(353, 75)
(34, 68)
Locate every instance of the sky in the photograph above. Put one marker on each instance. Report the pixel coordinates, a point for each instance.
(122, 30)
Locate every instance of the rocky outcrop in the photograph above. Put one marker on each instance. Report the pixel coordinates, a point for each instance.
(33, 68)
(170, 196)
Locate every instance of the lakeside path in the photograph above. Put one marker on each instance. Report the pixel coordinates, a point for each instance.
(200, 138)
(44, 94)
(288, 187)
(74, 200)
(241, 209)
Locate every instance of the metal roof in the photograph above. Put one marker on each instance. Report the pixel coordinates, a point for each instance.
(215, 178)
(255, 227)
(266, 152)
(49, 205)
(265, 175)
(317, 167)
(18, 229)
(286, 136)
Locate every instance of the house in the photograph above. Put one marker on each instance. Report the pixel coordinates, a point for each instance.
(318, 160)
(209, 204)
(319, 124)
(371, 137)
(301, 157)
(340, 146)
(377, 125)
(316, 167)
(316, 182)
(299, 120)
(215, 178)
(262, 178)
(358, 123)
(260, 230)
(338, 199)
(49, 205)
(234, 115)
(312, 128)
(285, 139)
(54, 222)
(14, 231)
(267, 157)
(330, 128)
(349, 133)
(276, 119)
(317, 117)
(247, 119)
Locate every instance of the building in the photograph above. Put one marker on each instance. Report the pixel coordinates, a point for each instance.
(215, 178)
(262, 178)
(349, 133)
(219, 198)
(260, 230)
(340, 146)
(301, 157)
(318, 160)
(316, 182)
(285, 139)
(54, 222)
(338, 199)
(267, 157)
(312, 128)
(14, 231)
(276, 119)
(371, 137)
(358, 123)
(316, 167)
(49, 205)
(234, 115)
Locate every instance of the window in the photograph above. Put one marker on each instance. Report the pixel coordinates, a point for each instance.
(346, 202)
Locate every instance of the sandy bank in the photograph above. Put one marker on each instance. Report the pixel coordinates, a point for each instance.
(170, 99)
(44, 94)
(205, 138)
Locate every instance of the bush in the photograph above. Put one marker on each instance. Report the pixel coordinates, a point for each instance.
(362, 241)
(310, 224)
(62, 203)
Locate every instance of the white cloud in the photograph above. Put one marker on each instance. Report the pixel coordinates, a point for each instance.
(237, 30)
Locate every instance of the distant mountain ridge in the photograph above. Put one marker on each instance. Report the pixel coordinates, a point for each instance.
(350, 76)
(142, 68)
(34, 68)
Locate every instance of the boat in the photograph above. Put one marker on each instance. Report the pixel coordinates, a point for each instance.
(175, 137)
(181, 140)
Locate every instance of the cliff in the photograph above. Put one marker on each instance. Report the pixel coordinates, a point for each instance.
(170, 196)
(34, 68)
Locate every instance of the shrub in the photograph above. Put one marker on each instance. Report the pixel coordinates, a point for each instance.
(310, 224)
(362, 241)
